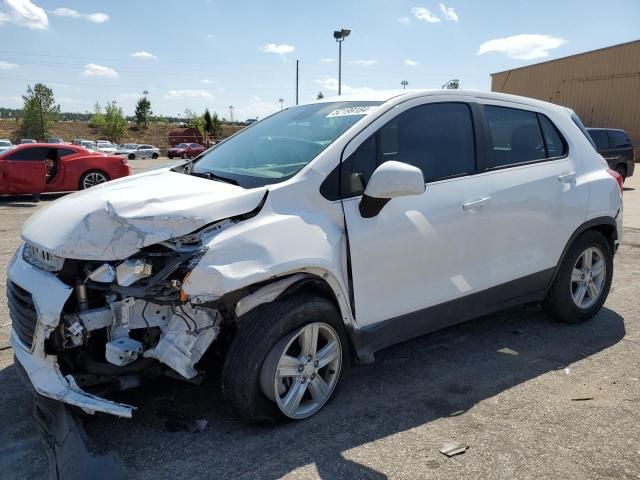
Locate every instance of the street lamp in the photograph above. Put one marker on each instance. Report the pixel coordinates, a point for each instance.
(281, 103)
(404, 84)
(340, 35)
(231, 113)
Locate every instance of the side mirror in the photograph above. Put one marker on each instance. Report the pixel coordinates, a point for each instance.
(390, 180)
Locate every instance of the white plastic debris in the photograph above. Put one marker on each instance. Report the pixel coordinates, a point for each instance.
(451, 449)
(122, 351)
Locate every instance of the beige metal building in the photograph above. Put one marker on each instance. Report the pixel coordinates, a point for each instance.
(602, 86)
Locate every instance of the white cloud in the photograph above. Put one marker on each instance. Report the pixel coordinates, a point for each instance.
(327, 60)
(256, 108)
(281, 49)
(403, 19)
(206, 81)
(25, 14)
(97, 17)
(331, 84)
(93, 70)
(188, 93)
(144, 55)
(449, 13)
(411, 63)
(364, 63)
(522, 47)
(8, 66)
(209, 35)
(425, 14)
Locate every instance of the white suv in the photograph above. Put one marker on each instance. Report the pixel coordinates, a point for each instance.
(312, 238)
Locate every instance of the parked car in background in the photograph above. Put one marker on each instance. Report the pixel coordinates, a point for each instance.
(5, 144)
(106, 146)
(616, 148)
(27, 140)
(244, 249)
(42, 167)
(55, 140)
(90, 144)
(134, 151)
(185, 150)
(78, 141)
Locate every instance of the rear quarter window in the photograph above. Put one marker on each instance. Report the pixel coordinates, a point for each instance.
(618, 139)
(600, 138)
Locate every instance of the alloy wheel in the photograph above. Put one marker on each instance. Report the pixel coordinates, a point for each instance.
(93, 178)
(302, 370)
(588, 278)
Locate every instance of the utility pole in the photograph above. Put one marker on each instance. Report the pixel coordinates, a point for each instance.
(281, 103)
(297, 78)
(340, 35)
(404, 84)
(231, 113)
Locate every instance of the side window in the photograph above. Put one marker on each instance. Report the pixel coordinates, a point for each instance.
(600, 138)
(63, 152)
(437, 138)
(553, 141)
(29, 154)
(515, 135)
(618, 139)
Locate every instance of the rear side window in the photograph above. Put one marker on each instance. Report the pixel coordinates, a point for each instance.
(521, 136)
(437, 138)
(600, 138)
(618, 139)
(63, 152)
(29, 154)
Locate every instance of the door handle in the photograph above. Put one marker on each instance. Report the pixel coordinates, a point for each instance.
(567, 177)
(480, 202)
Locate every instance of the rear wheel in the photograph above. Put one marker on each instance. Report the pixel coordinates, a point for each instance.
(154, 156)
(132, 156)
(185, 156)
(92, 178)
(583, 280)
(286, 359)
(621, 168)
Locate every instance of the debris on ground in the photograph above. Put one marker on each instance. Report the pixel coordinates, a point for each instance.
(581, 399)
(507, 351)
(451, 449)
(567, 371)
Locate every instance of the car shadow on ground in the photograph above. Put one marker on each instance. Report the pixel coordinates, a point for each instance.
(443, 374)
(26, 201)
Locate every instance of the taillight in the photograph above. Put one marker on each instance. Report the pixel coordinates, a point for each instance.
(618, 178)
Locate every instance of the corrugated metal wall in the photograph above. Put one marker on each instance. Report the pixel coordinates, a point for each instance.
(601, 86)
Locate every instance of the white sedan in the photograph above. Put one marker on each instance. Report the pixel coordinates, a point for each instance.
(133, 151)
(106, 147)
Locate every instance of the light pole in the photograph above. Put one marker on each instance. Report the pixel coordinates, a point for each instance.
(340, 35)
(231, 113)
(404, 84)
(281, 103)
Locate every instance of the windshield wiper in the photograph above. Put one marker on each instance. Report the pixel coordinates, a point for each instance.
(213, 176)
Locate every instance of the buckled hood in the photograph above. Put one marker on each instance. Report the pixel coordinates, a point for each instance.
(114, 220)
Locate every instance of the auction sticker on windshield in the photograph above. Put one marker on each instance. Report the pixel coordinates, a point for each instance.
(345, 112)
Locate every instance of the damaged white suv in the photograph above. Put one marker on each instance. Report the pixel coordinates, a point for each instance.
(312, 238)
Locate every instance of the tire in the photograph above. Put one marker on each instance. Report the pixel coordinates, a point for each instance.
(132, 156)
(170, 157)
(185, 156)
(92, 178)
(561, 303)
(250, 365)
(621, 168)
(154, 156)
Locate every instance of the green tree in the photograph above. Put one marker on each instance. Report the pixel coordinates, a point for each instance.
(97, 120)
(320, 96)
(115, 124)
(39, 110)
(143, 111)
(216, 125)
(208, 121)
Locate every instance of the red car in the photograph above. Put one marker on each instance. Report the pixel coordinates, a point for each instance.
(185, 150)
(39, 167)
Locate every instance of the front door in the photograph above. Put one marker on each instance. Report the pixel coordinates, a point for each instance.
(419, 251)
(24, 171)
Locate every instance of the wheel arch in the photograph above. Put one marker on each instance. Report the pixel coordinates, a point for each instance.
(605, 225)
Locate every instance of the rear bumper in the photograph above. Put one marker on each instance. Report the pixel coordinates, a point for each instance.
(49, 295)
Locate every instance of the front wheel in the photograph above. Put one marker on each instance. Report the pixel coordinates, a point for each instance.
(300, 349)
(132, 156)
(154, 156)
(185, 156)
(583, 279)
(92, 178)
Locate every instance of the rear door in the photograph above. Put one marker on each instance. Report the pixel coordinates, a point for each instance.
(537, 196)
(24, 171)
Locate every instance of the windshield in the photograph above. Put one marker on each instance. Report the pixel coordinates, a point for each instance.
(4, 144)
(279, 146)
(105, 144)
(181, 145)
(130, 146)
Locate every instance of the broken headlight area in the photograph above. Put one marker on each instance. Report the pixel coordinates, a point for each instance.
(130, 319)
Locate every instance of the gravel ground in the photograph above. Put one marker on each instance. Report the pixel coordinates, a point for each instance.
(523, 414)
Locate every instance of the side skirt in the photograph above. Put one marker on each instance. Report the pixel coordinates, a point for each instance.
(367, 341)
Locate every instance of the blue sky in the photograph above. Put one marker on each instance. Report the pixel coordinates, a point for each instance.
(206, 53)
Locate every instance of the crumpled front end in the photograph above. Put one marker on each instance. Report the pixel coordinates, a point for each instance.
(79, 326)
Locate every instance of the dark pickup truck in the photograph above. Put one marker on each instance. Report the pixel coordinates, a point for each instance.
(614, 145)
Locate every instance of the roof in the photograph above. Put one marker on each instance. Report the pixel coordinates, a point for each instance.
(567, 57)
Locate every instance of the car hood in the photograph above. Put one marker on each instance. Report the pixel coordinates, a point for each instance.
(114, 220)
